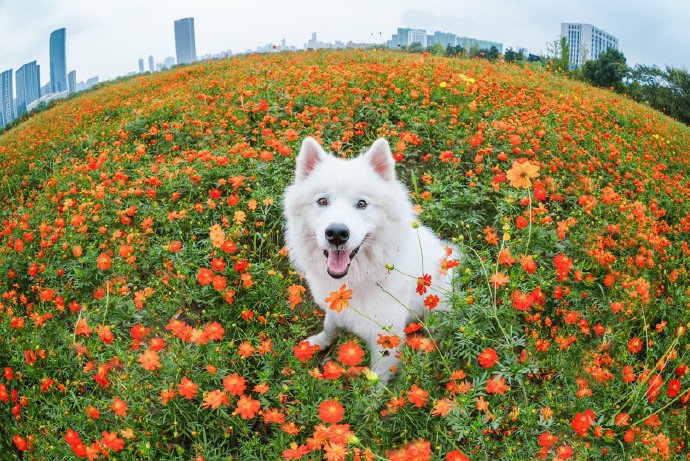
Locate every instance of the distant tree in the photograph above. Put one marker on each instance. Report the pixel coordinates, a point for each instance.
(415, 48)
(436, 48)
(558, 53)
(667, 90)
(454, 50)
(492, 54)
(607, 71)
(512, 56)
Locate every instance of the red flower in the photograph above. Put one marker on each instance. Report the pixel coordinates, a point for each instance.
(654, 388)
(635, 345)
(521, 222)
(423, 283)
(563, 266)
(20, 442)
(582, 422)
(487, 358)
(304, 351)
(431, 301)
(350, 354)
(456, 455)
(673, 388)
(522, 301)
(331, 411)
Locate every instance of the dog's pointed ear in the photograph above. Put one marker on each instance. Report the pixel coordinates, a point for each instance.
(310, 154)
(381, 159)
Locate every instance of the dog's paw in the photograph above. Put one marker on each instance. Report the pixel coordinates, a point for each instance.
(318, 340)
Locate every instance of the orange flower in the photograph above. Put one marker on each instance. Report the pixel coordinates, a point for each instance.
(104, 261)
(234, 384)
(167, 395)
(119, 407)
(214, 399)
(204, 276)
(388, 342)
(111, 440)
(338, 300)
(217, 236)
(331, 411)
(442, 407)
(521, 174)
(417, 396)
(498, 279)
(187, 388)
(247, 407)
(149, 360)
(496, 386)
(488, 358)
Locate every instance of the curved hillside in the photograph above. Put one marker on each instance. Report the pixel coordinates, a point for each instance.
(149, 311)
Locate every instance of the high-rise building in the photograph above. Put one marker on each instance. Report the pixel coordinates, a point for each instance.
(6, 98)
(72, 81)
(28, 85)
(58, 65)
(586, 42)
(185, 44)
(152, 66)
(141, 65)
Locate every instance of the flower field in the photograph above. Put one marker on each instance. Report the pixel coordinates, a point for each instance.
(148, 310)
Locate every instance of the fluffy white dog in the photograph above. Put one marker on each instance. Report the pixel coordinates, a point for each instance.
(347, 220)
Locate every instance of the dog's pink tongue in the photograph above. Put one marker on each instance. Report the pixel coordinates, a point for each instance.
(338, 261)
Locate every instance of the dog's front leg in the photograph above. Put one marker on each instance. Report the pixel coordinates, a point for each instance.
(327, 336)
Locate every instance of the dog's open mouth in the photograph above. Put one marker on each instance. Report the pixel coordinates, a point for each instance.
(338, 261)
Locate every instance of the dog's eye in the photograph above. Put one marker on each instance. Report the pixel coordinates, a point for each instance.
(362, 204)
(323, 201)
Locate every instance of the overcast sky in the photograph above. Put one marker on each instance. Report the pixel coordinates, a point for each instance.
(107, 37)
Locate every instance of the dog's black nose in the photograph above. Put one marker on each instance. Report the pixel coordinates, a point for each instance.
(337, 234)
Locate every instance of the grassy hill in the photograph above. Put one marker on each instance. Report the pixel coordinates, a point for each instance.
(149, 311)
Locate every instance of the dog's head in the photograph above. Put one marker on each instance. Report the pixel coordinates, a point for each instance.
(340, 206)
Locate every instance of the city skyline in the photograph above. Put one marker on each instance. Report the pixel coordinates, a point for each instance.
(142, 29)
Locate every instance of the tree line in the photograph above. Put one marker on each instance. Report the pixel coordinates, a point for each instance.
(665, 89)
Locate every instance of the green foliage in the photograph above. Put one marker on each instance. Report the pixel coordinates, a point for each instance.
(607, 71)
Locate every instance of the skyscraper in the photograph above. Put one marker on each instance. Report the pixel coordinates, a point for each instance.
(185, 44)
(152, 66)
(72, 81)
(586, 42)
(58, 65)
(6, 98)
(141, 65)
(28, 85)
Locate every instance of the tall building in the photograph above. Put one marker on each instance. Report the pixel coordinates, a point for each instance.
(58, 65)
(185, 44)
(6, 98)
(72, 81)
(28, 82)
(586, 42)
(152, 66)
(141, 65)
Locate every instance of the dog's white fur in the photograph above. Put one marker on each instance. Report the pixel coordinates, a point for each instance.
(383, 301)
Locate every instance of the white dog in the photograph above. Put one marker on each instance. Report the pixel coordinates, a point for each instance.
(347, 220)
